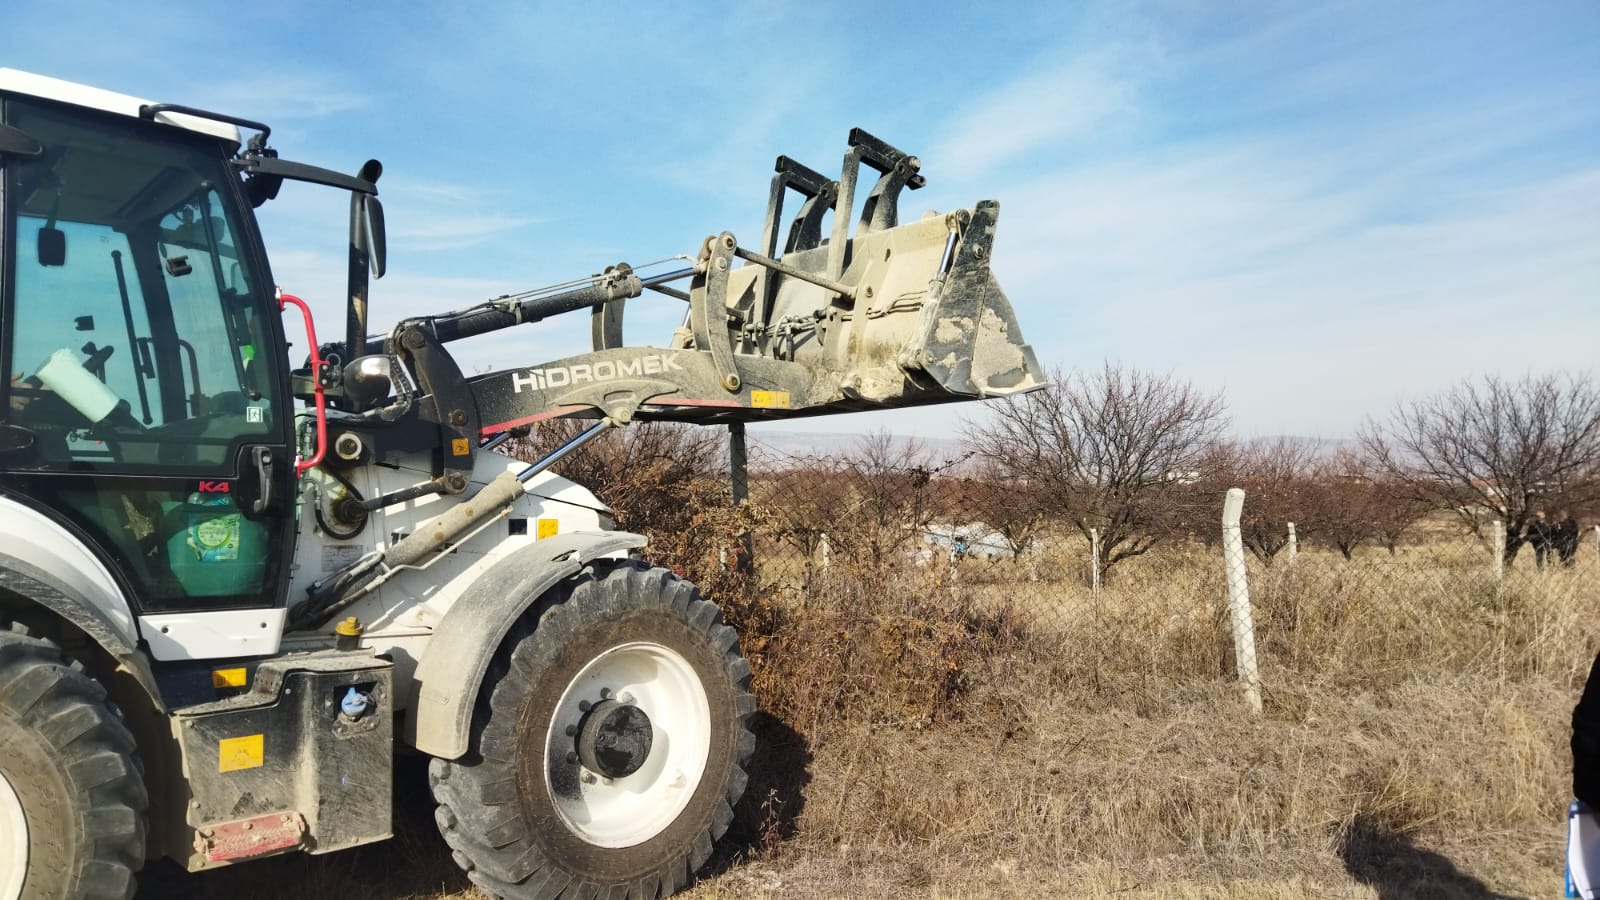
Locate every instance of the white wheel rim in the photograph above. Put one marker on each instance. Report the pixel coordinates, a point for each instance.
(13, 842)
(623, 812)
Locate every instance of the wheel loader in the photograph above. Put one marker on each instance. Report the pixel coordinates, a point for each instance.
(236, 580)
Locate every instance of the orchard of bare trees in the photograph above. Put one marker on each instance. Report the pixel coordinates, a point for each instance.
(1140, 457)
(1135, 459)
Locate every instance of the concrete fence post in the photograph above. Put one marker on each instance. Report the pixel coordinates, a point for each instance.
(1244, 629)
(1497, 543)
(1294, 544)
(1094, 561)
(827, 550)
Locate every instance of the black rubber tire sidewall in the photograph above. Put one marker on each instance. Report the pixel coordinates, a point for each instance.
(71, 761)
(629, 863)
(41, 787)
(495, 810)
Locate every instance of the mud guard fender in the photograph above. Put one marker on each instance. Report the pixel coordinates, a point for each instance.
(45, 564)
(445, 687)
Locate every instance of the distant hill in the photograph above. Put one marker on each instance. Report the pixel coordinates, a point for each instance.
(767, 447)
(772, 446)
(1319, 444)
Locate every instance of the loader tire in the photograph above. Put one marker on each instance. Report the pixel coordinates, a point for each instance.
(72, 794)
(608, 743)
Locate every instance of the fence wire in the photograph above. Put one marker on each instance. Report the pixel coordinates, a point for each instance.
(939, 547)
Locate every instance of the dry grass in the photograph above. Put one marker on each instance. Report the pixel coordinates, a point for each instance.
(972, 733)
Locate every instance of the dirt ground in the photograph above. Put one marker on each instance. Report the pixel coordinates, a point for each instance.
(1168, 806)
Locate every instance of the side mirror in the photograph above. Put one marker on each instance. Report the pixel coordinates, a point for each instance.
(376, 238)
(259, 188)
(368, 248)
(367, 231)
(52, 247)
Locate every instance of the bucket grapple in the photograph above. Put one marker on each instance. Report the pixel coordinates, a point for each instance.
(809, 323)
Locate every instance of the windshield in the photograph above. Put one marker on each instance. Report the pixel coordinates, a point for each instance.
(138, 334)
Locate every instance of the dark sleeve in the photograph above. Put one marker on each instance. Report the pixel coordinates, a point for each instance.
(1586, 741)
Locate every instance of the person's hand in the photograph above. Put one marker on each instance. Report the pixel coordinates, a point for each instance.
(29, 387)
(18, 401)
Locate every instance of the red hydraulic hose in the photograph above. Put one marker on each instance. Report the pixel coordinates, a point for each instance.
(301, 466)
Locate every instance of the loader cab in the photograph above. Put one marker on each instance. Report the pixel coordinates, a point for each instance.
(143, 402)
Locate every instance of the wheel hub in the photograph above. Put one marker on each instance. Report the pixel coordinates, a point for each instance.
(614, 739)
(627, 744)
(13, 842)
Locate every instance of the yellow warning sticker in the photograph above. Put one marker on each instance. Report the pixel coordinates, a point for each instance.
(769, 399)
(547, 528)
(228, 678)
(238, 753)
(460, 447)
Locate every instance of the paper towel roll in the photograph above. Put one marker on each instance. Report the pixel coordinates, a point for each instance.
(65, 375)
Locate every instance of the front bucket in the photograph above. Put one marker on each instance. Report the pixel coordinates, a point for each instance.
(925, 321)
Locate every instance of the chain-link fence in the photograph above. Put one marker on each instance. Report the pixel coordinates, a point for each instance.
(1173, 596)
(883, 582)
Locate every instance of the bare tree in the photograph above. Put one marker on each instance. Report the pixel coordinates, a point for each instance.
(1496, 449)
(1276, 475)
(1108, 450)
(804, 502)
(1395, 510)
(1355, 502)
(888, 504)
(1005, 504)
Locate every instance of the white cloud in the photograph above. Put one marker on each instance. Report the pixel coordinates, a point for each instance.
(1042, 111)
(1261, 276)
(279, 95)
(423, 231)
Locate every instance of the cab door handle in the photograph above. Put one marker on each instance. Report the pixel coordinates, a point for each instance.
(263, 461)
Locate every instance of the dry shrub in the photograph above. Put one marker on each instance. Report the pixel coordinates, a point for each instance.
(864, 650)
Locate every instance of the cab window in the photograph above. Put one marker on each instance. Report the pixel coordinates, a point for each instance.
(136, 324)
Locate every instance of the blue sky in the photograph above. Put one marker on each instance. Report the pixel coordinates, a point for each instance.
(1318, 209)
